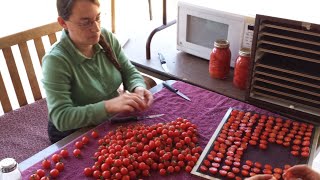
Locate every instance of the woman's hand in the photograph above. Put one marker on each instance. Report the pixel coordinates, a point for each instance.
(144, 94)
(126, 102)
(301, 172)
(261, 177)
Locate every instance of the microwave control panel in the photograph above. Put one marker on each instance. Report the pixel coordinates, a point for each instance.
(248, 35)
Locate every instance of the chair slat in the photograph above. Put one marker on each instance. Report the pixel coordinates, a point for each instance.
(52, 38)
(24, 50)
(40, 48)
(29, 34)
(13, 71)
(4, 98)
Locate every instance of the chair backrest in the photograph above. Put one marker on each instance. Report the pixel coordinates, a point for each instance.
(22, 40)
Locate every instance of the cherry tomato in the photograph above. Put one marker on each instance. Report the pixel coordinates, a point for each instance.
(267, 171)
(56, 158)
(223, 172)
(188, 168)
(96, 174)
(40, 173)
(77, 152)
(268, 166)
(256, 170)
(34, 177)
(277, 170)
(295, 153)
(85, 139)
(213, 170)
(46, 164)
(78, 144)
(54, 173)
(94, 134)
(87, 171)
(305, 154)
(64, 153)
(59, 166)
(231, 175)
(257, 164)
(203, 168)
(162, 172)
(235, 170)
(216, 165)
(45, 178)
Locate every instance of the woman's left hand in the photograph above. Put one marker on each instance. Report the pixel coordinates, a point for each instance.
(144, 94)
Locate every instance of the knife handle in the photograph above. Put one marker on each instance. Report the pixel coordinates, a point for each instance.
(169, 87)
(124, 119)
(162, 60)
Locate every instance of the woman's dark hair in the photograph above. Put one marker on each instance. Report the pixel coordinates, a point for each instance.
(64, 7)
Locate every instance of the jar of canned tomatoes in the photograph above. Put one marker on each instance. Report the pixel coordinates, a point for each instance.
(219, 65)
(241, 69)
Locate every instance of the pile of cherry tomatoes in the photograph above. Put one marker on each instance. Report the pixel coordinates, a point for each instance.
(225, 156)
(133, 151)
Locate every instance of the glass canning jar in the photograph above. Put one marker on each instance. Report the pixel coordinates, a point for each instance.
(241, 69)
(219, 65)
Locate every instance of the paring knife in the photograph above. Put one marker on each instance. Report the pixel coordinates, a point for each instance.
(133, 118)
(163, 63)
(175, 91)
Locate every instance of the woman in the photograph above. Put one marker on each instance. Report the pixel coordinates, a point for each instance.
(83, 71)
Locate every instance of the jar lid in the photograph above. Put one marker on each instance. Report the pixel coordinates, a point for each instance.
(244, 52)
(8, 165)
(221, 43)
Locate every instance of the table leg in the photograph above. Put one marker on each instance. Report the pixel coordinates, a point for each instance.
(165, 25)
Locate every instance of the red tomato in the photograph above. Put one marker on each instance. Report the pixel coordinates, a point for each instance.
(223, 172)
(213, 170)
(188, 168)
(87, 171)
(46, 164)
(41, 173)
(78, 144)
(56, 158)
(59, 166)
(85, 139)
(162, 172)
(94, 134)
(34, 177)
(231, 175)
(96, 174)
(64, 153)
(77, 152)
(45, 178)
(54, 173)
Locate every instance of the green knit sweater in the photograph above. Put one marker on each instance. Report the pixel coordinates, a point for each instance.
(77, 86)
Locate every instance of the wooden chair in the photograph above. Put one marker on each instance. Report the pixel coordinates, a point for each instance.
(37, 36)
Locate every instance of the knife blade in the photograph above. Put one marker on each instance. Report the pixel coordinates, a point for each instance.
(134, 118)
(163, 63)
(175, 91)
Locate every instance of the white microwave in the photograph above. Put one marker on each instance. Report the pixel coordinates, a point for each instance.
(201, 22)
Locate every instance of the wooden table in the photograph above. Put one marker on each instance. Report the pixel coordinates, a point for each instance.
(182, 66)
(212, 107)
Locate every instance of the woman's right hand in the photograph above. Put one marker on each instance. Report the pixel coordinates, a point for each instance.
(126, 102)
(301, 172)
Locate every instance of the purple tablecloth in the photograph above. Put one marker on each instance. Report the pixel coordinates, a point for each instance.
(206, 110)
